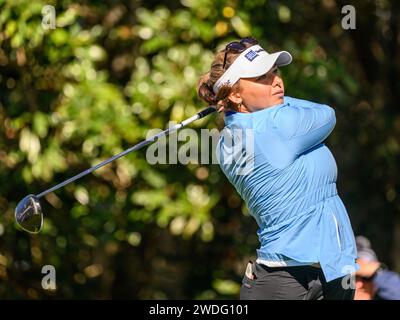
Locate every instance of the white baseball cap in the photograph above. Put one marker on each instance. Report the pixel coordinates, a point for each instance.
(253, 62)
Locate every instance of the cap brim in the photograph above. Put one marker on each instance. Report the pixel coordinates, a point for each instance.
(263, 65)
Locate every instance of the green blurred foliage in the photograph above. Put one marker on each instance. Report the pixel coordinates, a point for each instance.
(111, 71)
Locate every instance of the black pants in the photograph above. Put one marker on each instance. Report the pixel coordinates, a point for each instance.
(293, 283)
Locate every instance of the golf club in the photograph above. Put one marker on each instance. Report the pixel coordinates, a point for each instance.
(28, 212)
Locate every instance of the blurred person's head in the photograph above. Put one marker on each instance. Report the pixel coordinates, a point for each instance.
(369, 264)
(244, 77)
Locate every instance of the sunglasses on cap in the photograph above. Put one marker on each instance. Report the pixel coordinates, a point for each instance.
(238, 46)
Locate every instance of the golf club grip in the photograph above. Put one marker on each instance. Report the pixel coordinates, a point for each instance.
(206, 112)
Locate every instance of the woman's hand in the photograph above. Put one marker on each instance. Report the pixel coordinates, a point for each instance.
(367, 269)
(220, 107)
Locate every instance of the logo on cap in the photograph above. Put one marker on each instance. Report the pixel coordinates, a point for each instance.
(251, 55)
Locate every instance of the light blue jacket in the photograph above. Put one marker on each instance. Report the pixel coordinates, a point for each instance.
(287, 177)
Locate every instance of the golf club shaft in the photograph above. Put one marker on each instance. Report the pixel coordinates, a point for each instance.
(197, 116)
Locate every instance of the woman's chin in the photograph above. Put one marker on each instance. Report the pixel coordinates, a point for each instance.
(277, 100)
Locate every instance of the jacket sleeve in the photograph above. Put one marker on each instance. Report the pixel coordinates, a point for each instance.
(303, 124)
(387, 285)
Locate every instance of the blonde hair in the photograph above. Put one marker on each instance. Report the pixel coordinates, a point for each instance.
(207, 81)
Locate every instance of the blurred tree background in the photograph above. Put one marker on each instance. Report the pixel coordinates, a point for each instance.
(110, 71)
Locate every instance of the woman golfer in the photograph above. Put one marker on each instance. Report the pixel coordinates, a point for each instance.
(287, 177)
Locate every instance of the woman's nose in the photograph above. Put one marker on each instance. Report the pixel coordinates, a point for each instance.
(277, 81)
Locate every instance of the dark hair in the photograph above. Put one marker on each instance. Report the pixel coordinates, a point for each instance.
(207, 81)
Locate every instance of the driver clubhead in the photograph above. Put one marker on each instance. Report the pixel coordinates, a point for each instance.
(28, 214)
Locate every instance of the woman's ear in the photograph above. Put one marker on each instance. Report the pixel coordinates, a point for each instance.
(235, 97)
